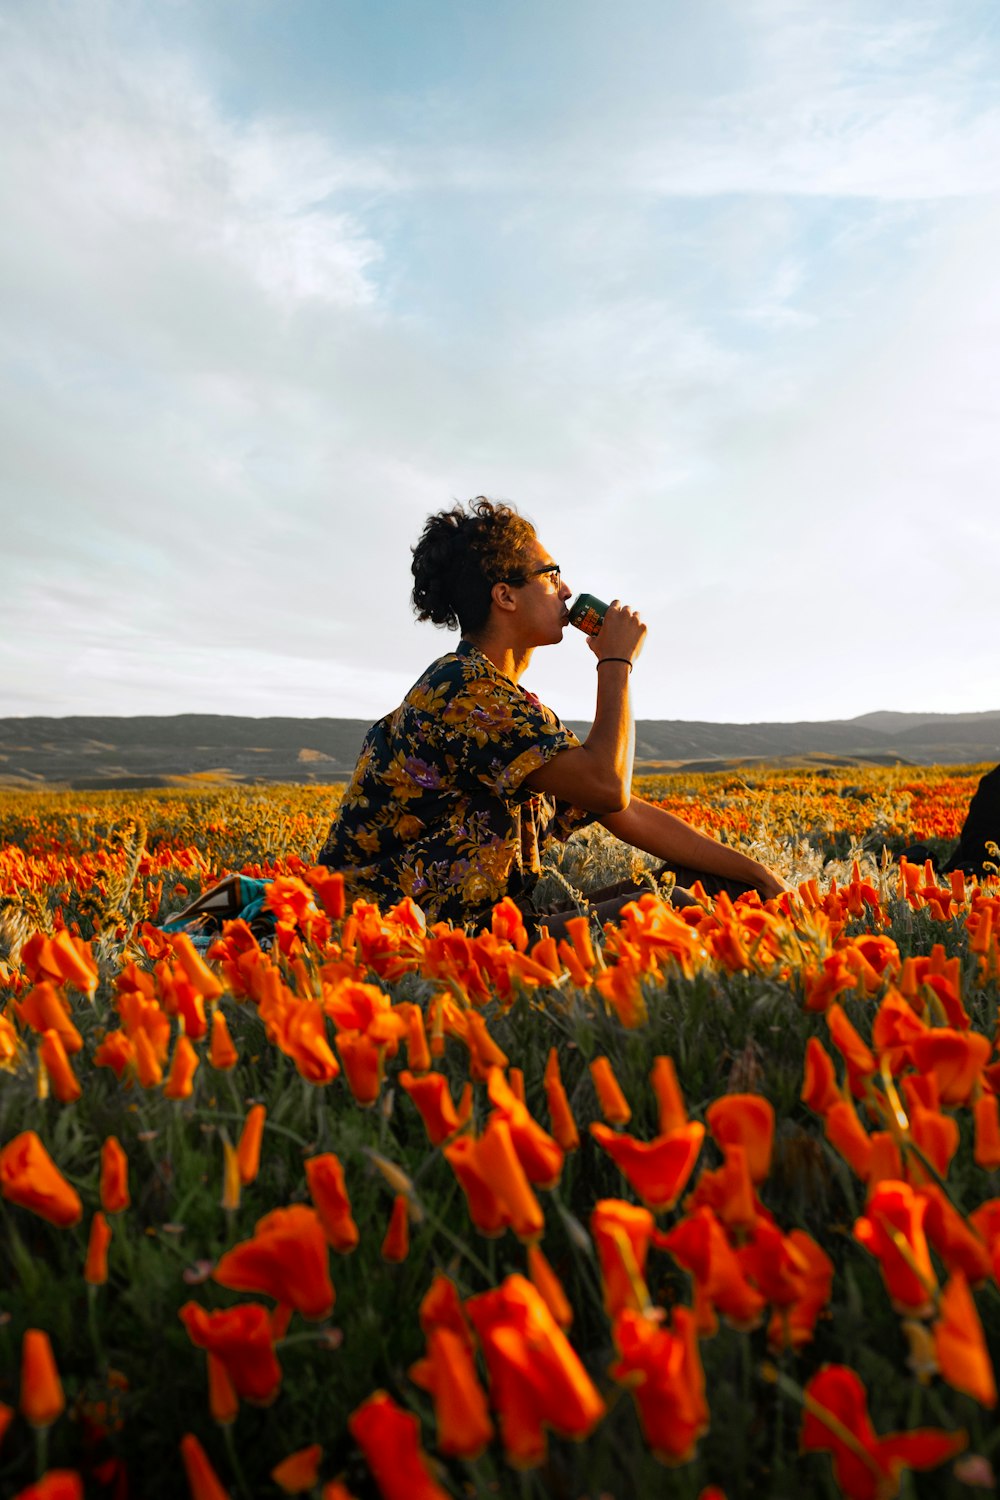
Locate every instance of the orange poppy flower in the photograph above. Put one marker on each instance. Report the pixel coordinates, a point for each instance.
(819, 1086)
(249, 1144)
(461, 1414)
(223, 1402)
(441, 1307)
(658, 1170)
(959, 1345)
(614, 1105)
(578, 929)
(432, 1097)
(417, 1051)
(560, 1115)
(571, 963)
(936, 1135)
(699, 1244)
(622, 1233)
(95, 1271)
(484, 1053)
(824, 983)
(776, 1263)
(328, 888)
(895, 1027)
(183, 1066)
(281, 1317)
(303, 1039)
(115, 1051)
(361, 1059)
(885, 1164)
(203, 1482)
(956, 1059)
(847, 1135)
(287, 1259)
(41, 1399)
(232, 1188)
(396, 1245)
(299, 1471)
(487, 1209)
(872, 1473)
(113, 1189)
(961, 1243)
(536, 1379)
(62, 958)
(43, 1009)
(221, 1052)
(30, 1178)
(65, 1084)
(728, 1192)
(507, 924)
(147, 1063)
(895, 1216)
(545, 1279)
(670, 1100)
(859, 1057)
(987, 1117)
(621, 988)
(179, 997)
(204, 981)
(809, 1274)
(325, 1179)
(389, 1438)
(499, 1164)
(7, 1415)
(540, 1156)
(242, 1338)
(745, 1120)
(663, 1367)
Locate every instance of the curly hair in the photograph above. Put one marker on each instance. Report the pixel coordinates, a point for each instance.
(461, 554)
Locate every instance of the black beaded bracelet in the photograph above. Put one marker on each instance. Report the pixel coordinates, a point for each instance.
(614, 658)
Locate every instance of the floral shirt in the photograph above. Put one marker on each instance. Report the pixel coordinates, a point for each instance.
(437, 808)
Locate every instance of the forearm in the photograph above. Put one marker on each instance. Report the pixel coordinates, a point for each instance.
(611, 741)
(669, 838)
(597, 775)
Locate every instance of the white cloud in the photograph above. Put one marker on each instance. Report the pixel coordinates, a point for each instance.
(244, 357)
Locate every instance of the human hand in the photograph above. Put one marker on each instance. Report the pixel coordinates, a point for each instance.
(622, 634)
(769, 884)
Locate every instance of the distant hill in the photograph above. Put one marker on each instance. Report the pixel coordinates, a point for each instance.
(90, 752)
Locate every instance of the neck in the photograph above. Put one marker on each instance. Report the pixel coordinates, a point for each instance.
(510, 659)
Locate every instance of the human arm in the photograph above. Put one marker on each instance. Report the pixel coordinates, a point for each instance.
(657, 832)
(597, 775)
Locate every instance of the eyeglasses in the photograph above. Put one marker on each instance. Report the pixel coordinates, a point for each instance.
(553, 571)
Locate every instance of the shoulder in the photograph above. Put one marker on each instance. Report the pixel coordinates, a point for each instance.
(438, 684)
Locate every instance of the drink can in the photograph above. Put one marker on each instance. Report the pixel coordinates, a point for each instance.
(587, 613)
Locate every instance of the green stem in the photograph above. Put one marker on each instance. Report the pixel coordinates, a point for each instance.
(223, 1114)
(95, 1332)
(41, 1451)
(234, 1459)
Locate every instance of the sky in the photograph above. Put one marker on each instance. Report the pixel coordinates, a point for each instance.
(706, 288)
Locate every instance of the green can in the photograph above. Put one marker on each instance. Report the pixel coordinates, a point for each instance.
(587, 613)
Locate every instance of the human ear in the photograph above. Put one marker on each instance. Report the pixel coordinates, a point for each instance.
(504, 596)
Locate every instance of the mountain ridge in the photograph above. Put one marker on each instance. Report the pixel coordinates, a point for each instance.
(88, 751)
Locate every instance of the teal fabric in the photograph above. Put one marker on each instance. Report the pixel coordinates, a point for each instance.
(252, 893)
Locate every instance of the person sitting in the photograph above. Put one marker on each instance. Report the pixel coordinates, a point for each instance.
(459, 789)
(972, 854)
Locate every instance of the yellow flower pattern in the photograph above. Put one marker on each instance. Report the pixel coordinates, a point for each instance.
(437, 809)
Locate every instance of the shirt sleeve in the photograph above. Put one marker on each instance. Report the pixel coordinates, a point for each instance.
(500, 735)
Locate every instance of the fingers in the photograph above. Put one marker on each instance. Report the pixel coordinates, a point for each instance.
(621, 634)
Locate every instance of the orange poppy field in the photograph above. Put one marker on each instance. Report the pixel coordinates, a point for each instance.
(707, 1204)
